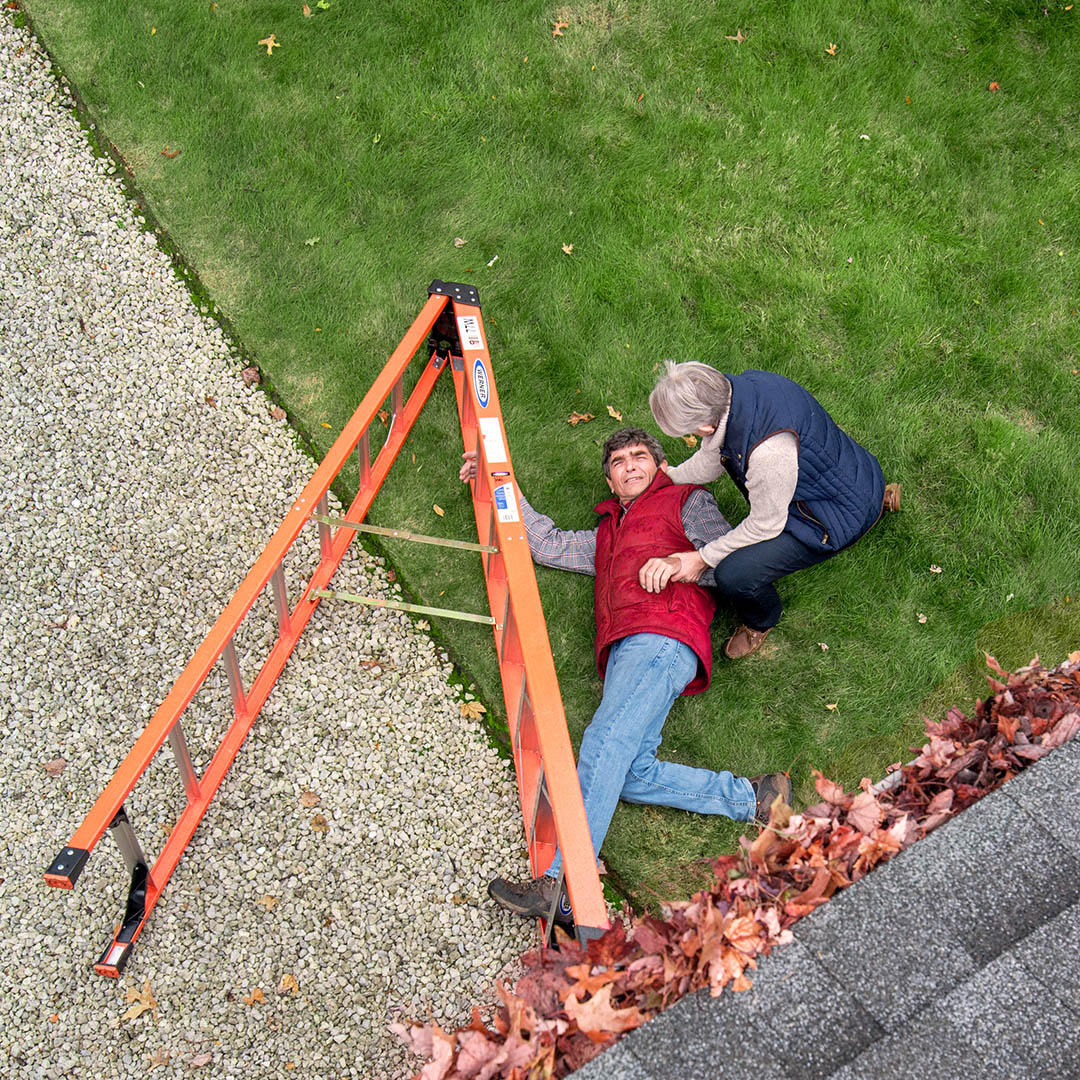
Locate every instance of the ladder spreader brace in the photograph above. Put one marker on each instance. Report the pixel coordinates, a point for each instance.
(548, 791)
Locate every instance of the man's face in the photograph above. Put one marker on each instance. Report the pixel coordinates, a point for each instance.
(631, 471)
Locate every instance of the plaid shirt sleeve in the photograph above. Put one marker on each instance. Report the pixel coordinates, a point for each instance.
(703, 523)
(701, 518)
(564, 549)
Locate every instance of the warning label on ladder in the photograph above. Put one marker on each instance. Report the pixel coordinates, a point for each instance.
(505, 503)
(494, 446)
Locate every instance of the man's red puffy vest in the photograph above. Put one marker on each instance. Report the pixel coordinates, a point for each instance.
(651, 527)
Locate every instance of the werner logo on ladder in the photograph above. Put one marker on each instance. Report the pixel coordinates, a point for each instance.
(551, 803)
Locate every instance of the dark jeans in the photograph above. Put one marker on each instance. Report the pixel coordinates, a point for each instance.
(745, 577)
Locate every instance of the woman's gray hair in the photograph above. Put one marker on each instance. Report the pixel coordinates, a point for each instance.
(688, 396)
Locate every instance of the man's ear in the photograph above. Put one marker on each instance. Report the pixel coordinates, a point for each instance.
(610, 484)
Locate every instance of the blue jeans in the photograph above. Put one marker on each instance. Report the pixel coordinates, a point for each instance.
(745, 577)
(617, 760)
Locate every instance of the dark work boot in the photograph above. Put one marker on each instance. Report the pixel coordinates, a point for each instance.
(766, 788)
(531, 898)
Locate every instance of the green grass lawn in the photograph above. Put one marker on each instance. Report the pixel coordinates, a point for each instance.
(895, 226)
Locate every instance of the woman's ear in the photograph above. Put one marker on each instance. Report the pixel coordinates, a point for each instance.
(706, 429)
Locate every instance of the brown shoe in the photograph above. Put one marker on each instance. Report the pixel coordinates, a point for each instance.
(891, 501)
(767, 789)
(744, 642)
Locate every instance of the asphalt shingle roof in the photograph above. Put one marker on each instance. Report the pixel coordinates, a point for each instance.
(959, 958)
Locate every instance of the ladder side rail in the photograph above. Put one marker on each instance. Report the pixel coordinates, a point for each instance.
(221, 633)
(549, 718)
(219, 765)
(478, 398)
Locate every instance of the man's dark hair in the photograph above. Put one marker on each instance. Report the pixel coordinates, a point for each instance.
(632, 436)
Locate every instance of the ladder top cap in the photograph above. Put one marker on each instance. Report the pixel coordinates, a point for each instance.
(456, 290)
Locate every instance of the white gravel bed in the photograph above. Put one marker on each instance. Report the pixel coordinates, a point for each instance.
(140, 480)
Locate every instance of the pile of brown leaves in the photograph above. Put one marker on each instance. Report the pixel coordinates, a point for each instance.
(577, 1000)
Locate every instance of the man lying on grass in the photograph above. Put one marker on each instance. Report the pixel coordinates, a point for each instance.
(651, 647)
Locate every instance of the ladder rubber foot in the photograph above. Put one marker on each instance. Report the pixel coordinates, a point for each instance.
(114, 959)
(65, 869)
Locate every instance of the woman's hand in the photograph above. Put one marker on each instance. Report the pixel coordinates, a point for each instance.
(691, 566)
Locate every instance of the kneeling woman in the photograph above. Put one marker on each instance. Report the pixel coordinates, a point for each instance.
(813, 490)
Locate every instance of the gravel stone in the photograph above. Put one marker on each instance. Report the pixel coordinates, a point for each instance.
(141, 478)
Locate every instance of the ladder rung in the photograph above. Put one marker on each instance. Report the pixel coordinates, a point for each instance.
(399, 534)
(183, 761)
(541, 793)
(325, 542)
(399, 605)
(236, 681)
(281, 601)
(126, 840)
(523, 700)
(363, 449)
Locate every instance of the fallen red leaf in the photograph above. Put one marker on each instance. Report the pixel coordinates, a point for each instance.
(599, 1019)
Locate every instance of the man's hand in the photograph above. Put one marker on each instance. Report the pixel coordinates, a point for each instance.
(656, 573)
(468, 470)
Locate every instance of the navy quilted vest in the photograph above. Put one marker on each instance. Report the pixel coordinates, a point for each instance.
(841, 485)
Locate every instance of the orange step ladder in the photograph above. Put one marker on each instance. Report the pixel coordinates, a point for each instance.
(552, 809)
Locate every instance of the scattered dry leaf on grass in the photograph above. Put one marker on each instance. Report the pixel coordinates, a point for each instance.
(140, 1001)
(738, 37)
(576, 418)
(567, 248)
(831, 50)
(460, 241)
(271, 44)
(920, 616)
(558, 28)
(472, 710)
(438, 509)
(690, 440)
(614, 413)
